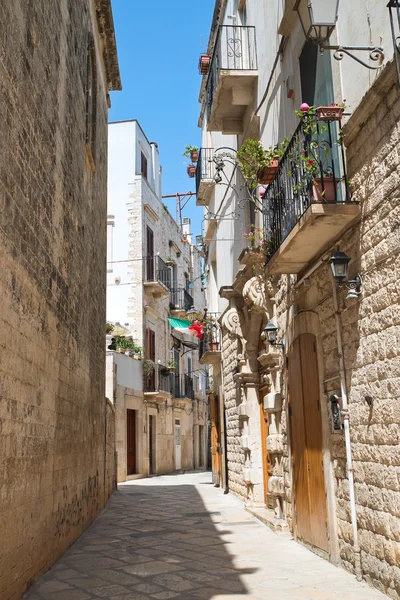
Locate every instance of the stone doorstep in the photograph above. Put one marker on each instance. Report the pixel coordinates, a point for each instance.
(267, 516)
(133, 477)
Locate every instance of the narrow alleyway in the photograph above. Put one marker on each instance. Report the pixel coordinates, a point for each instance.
(177, 537)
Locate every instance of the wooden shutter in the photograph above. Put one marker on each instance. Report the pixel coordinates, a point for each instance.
(149, 254)
(143, 165)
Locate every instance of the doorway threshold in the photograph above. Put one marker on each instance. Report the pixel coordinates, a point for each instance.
(267, 516)
(132, 477)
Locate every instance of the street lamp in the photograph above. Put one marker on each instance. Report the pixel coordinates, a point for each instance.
(318, 19)
(339, 264)
(269, 332)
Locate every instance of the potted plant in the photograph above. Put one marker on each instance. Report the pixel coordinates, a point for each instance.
(334, 112)
(273, 155)
(171, 366)
(191, 152)
(204, 64)
(169, 261)
(148, 367)
(191, 171)
(109, 328)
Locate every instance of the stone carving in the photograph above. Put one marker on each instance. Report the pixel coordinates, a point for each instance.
(254, 295)
(232, 322)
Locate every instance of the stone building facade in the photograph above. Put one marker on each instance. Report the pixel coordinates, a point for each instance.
(58, 62)
(312, 423)
(154, 278)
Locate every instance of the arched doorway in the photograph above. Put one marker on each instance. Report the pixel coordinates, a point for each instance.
(309, 497)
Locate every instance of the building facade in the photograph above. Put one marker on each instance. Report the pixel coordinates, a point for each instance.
(311, 422)
(58, 64)
(154, 279)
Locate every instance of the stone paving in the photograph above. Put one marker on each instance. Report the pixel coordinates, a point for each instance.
(178, 537)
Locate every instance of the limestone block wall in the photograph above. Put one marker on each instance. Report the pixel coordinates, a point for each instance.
(56, 461)
(235, 452)
(371, 338)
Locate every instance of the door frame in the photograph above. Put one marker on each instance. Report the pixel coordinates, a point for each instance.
(308, 322)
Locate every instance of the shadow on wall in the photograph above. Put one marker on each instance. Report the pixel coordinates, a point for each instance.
(150, 542)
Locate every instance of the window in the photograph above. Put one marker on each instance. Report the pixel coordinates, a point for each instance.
(149, 254)
(143, 165)
(151, 345)
(91, 101)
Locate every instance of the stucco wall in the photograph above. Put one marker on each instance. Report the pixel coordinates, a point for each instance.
(56, 471)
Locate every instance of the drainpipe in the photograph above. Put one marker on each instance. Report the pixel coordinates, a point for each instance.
(345, 414)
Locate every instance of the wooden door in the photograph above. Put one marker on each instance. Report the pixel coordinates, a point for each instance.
(178, 449)
(216, 456)
(152, 444)
(266, 459)
(131, 442)
(310, 512)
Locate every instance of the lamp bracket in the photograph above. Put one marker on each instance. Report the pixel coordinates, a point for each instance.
(281, 344)
(353, 284)
(375, 53)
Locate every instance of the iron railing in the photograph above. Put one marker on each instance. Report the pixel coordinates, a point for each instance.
(312, 170)
(157, 270)
(235, 49)
(180, 299)
(211, 341)
(205, 166)
(160, 380)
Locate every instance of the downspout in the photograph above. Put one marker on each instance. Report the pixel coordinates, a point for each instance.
(346, 424)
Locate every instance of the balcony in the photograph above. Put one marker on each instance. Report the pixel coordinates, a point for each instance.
(307, 206)
(158, 277)
(210, 345)
(205, 176)
(158, 384)
(180, 302)
(183, 387)
(210, 226)
(230, 86)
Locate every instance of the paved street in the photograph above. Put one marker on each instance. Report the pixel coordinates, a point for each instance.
(177, 537)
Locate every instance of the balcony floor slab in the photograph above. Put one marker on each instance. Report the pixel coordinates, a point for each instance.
(319, 227)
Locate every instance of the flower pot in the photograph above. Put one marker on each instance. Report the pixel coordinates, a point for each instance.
(194, 156)
(329, 113)
(191, 171)
(213, 346)
(171, 369)
(267, 174)
(204, 64)
(327, 192)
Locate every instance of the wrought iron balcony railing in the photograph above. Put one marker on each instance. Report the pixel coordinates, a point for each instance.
(188, 386)
(235, 49)
(160, 380)
(312, 170)
(205, 166)
(211, 341)
(157, 270)
(180, 299)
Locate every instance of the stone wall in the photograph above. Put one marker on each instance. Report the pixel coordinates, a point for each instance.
(56, 457)
(371, 339)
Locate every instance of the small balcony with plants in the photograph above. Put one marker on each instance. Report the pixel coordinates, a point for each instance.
(305, 198)
(180, 301)
(205, 172)
(157, 277)
(232, 75)
(158, 380)
(210, 344)
(183, 387)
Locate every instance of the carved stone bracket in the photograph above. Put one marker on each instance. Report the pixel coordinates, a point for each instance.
(254, 295)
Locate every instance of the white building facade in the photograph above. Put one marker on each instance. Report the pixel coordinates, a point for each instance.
(297, 439)
(154, 278)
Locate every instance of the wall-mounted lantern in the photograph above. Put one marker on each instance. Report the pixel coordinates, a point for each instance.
(335, 412)
(270, 331)
(318, 19)
(339, 264)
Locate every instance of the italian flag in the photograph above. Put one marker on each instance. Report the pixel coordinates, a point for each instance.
(184, 326)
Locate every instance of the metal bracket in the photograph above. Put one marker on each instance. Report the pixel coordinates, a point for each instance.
(375, 53)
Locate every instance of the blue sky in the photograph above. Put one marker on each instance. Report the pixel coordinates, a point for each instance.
(159, 44)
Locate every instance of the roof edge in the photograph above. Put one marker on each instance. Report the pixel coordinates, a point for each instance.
(110, 54)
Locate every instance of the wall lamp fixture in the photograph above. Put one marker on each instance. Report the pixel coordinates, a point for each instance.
(269, 332)
(318, 19)
(339, 264)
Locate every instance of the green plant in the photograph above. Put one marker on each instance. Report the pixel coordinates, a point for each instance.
(126, 343)
(278, 151)
(171, 365)
(148, 366)
(109, 328)
(189, 150)
(258, 248)
(251, 157)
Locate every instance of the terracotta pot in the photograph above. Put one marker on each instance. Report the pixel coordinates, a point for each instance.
(267, 174)
(213, 346)
(204, 64)
(194, 156)
(329, 113)
(326, 193)
(191, 171)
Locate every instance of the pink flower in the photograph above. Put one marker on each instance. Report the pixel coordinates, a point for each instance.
(304, 107)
